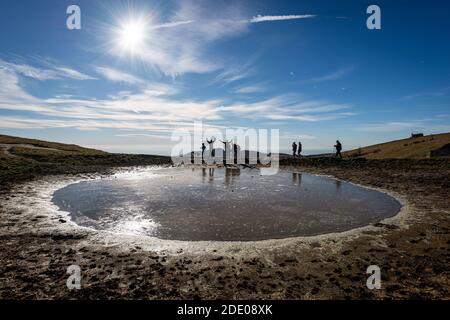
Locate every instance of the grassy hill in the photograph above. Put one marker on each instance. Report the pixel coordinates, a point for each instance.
(411, 148)
(52, 146)
(23, 159)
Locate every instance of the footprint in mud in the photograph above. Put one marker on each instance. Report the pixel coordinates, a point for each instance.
(338, 271)
(315, 291)
(217, 259)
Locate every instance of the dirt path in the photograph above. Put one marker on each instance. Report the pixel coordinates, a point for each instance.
(7, 146)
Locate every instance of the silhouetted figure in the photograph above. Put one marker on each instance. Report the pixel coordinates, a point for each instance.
(203, 152)
(237, 150)
(226, 151)
(247, 156)
(294, 149)
(211, 146)
(300, 147)
(338, 147)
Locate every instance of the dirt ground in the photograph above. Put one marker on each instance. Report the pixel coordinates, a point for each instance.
(412, 250)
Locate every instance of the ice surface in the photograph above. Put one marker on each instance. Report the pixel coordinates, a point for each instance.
(221, 204)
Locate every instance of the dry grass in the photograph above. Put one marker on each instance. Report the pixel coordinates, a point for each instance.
(52, 145)
(412, 148)
(24, 159)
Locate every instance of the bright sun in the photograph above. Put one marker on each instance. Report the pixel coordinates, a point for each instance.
(132, 36)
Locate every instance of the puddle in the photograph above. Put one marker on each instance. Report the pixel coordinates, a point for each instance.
(218, 204)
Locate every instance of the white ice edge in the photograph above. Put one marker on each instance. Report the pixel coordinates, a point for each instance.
(39, 203)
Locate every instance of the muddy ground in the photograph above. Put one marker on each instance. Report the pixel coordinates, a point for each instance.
(412, 251)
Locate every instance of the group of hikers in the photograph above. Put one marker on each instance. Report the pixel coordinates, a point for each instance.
(297, 149)
(227, 148)
(229, 145)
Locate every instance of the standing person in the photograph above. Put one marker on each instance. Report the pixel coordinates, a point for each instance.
(226, 151)
(203, 152)
(300, 147)
(294, 149)
(338, 147)
(237, 150)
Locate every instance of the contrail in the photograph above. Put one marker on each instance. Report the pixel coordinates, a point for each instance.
(260, 18)
(172, 24)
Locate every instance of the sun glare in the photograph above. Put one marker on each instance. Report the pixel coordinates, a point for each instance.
(132, 36)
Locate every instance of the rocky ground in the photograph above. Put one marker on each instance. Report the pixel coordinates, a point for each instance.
(412, 251)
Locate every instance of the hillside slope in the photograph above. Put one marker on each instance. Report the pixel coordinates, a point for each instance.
(23, 159)
(411, 148)
(12, 142)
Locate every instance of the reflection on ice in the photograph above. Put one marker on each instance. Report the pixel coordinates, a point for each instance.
(138, 226)
(223, 204)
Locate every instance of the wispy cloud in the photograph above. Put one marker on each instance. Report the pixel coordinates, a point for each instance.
(250, 89)
(146, 135)
(234, 74)
(202, 24)
(147, 87)
(54, 72)
(260, 18)
(124, 111)
(310, 118)
(173, 52)
(171, 24)
(73, 74)
(436, 93)
(117, 75)
(153, 107)
(289, 108)
(338, 74)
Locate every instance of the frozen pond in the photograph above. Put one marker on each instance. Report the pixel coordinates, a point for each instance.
(222, 204)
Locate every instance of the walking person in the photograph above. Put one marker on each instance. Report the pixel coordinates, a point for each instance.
(294, 149)
(300, 147)
(338, 147)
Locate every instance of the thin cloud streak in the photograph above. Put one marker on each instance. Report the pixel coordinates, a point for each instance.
(44, 74)
(250, 89)
(260, 18)
(434, 94)
(171, 24)
(117, 75)
(336, 75)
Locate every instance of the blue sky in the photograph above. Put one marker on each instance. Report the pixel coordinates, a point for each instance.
(308, 68)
